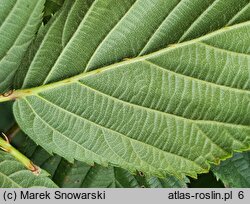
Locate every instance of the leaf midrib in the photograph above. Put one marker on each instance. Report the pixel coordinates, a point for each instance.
(35, 90)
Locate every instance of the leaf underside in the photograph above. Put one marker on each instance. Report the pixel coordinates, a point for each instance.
(154, 86)
(16, 37)
(81, 175)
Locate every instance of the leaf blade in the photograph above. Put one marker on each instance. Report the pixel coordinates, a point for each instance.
(183, 112)
(79, 174)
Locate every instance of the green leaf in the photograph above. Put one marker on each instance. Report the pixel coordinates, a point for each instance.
(79, 174)
(14, 175)
(154, 86)
(51, 6)
(35, 153)
(234, 172)
(19, 20)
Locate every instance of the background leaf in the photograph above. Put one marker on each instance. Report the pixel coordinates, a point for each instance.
(207, 180)
(16, 37)
(234, 172)
(80, 175)
(7, 119)
(14, 175)
(51, 6)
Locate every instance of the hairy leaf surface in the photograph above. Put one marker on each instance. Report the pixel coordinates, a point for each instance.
(19, 21)
(154, 86)
(14, 175)
(79, 174)
(234, 172)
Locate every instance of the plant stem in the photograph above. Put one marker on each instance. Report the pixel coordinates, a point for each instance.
(14, 94)
(5, 98)
(6, 146)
